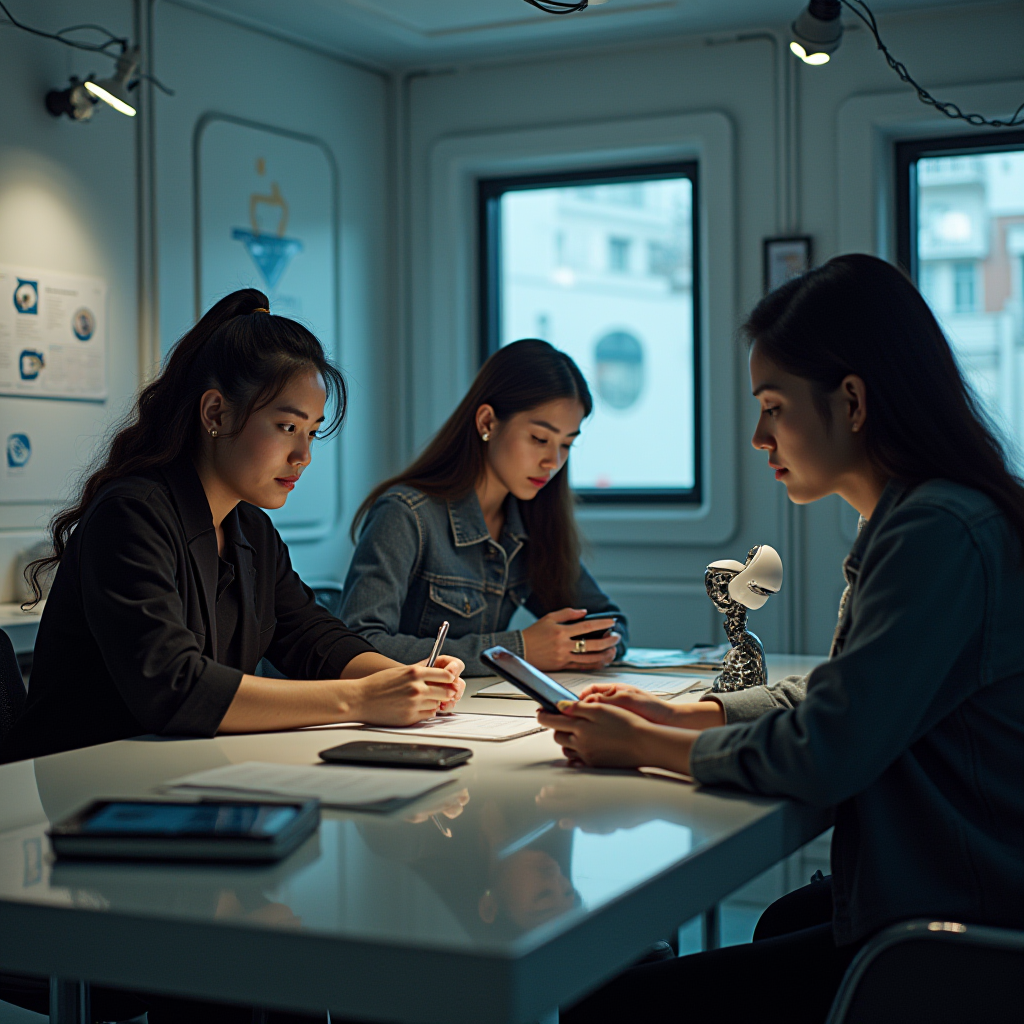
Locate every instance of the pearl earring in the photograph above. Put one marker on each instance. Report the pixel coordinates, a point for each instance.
(485, 436)
(213, 433)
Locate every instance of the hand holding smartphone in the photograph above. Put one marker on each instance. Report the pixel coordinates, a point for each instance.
(547, 692)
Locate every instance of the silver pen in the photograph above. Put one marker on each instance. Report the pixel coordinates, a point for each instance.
(435, 651)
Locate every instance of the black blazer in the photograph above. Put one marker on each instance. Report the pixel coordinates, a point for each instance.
(127, 642)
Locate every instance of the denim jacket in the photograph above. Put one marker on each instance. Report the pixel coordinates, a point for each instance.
(914, 727)
(421, 560)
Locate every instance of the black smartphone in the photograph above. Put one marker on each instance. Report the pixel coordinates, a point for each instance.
(543, 689)
(597, 634)
(397, 755)
(169, 830)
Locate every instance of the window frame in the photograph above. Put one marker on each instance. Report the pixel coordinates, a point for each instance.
(489, 192)
(907, 154)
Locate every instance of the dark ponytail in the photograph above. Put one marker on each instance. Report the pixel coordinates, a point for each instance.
(240, 349)
(859, 315)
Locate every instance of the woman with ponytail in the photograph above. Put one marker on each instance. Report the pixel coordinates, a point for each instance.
(172, 584)
(481, 523)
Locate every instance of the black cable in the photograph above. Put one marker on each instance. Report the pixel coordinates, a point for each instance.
(58, 36)
(74, 43)
(558, 6)
(949, 109)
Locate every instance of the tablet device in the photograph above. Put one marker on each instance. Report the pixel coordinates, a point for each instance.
(543, 689)
(221, 830)
(397, 755)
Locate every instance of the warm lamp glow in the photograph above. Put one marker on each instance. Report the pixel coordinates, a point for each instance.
(97, 90)
(808, 58)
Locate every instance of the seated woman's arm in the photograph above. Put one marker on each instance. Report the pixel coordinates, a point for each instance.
(894, 680)
(377, 585)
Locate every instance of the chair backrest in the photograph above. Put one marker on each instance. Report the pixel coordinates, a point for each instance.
(942, 972)
(12, 686)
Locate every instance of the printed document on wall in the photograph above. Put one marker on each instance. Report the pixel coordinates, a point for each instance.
(53, 334)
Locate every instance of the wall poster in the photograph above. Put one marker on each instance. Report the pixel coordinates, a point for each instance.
(266, 218)
(53, 334)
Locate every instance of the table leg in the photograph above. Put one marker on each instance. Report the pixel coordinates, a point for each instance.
(712, 931)
(69, 1001)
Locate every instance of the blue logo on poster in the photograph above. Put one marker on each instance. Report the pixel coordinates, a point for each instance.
(271, 254)
(26, 296)
(30, 364)
(83, 323)
(19, 450)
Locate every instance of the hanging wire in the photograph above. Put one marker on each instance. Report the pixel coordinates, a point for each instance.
(558, 6)
(865, 14)
(77, 44)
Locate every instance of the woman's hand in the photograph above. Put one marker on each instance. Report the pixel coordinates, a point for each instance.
(704, 714)
(630, 698)
(454, 667)
(402, 696)
(604, 736)
(599, 735)
(548, 644)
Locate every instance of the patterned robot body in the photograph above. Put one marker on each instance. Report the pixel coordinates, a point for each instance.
(736, 588)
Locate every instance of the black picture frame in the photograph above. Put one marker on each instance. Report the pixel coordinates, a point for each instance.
(784, 258)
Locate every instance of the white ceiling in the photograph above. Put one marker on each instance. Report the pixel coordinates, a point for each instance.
(414, 33)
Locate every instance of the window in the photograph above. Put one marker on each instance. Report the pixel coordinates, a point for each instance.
(603, 262)
(960, 234)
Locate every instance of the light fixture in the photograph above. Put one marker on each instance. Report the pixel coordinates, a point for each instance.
(817, 32)
(114, 90)
(79, 99)
(564, 6)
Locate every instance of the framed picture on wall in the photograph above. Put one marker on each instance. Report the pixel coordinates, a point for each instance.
(784, 259)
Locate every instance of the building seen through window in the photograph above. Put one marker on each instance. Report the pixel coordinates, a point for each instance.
(604, 271)
(969, 259)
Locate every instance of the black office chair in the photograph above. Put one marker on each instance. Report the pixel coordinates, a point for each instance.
(12, 686)
(941, 972)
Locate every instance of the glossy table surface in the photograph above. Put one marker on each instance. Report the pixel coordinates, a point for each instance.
(516, 887)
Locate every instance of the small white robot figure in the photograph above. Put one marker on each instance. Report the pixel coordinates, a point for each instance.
(735, 587)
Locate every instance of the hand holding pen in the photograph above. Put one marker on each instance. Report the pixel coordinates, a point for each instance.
(436, 650)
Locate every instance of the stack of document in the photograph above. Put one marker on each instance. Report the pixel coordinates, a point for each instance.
(364, 789)
(663, 658)
(660, 686)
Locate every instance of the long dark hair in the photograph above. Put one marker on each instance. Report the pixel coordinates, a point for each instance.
(859, 315)
(238, 347)
(516, 378)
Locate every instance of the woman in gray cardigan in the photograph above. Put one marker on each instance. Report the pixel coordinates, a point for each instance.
(481, 524)
(913, 730)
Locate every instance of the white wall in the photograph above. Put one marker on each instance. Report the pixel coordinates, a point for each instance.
(68, 201)
(216, 67)
(783, 119)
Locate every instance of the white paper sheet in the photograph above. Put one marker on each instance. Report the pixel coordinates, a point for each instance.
(659, 685)
(469, 727)
(366, 789)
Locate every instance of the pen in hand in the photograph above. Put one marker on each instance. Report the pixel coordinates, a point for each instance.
(436, 650)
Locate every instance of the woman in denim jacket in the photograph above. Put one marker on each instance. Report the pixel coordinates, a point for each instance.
(913, 730)
(481, 523)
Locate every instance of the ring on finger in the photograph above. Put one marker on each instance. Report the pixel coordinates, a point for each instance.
(580, 647)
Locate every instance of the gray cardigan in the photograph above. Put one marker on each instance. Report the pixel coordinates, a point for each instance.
(914, 728)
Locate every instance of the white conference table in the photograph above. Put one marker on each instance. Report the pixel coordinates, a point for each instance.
(545, 882)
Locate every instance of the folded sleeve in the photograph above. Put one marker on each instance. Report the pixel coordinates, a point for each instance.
(918, 610)
(135, 613)
(746, 705)
(308, 642)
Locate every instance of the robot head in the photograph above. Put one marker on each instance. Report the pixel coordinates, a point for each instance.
(730, 582)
